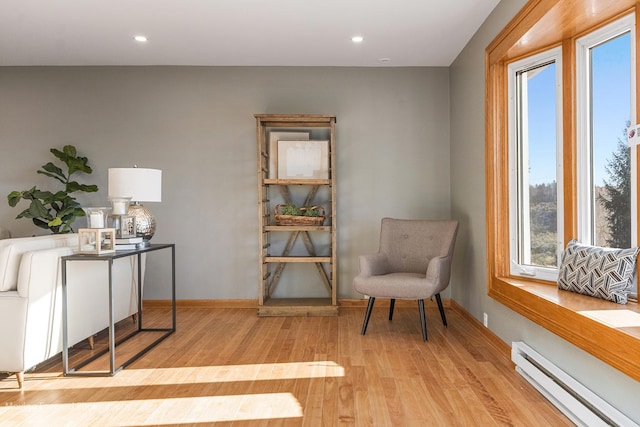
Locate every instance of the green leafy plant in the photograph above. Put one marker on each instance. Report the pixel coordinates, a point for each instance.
(310, 211)
(290, 209)
(56, 211)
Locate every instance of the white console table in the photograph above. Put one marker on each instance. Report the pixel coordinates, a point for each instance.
(109, 258)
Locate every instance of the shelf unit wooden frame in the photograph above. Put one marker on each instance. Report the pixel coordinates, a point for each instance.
(271, 267)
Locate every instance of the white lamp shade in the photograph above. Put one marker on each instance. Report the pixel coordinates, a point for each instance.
(142, 185)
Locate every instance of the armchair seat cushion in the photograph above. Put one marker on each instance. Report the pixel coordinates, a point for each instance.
(395, 285)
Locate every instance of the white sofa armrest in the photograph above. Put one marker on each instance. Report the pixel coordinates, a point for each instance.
(39, 284)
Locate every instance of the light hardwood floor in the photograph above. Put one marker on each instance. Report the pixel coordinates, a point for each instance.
(228, 367)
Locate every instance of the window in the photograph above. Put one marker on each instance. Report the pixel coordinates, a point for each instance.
(535, 165)
(606, 184)
(589, 64)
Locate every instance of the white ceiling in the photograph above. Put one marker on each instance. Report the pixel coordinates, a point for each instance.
(238, 32)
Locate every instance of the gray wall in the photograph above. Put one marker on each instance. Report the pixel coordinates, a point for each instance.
(197, 125)
(469, 284)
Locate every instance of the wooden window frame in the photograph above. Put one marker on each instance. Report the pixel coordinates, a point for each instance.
(589, 323)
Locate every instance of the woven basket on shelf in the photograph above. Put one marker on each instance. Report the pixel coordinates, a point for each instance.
(299, 219)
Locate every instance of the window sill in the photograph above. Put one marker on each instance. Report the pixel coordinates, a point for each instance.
(606, 330)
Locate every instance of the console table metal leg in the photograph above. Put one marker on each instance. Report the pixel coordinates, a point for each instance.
(112, 332)
(139, 292)
(173, 285)
(65, 337)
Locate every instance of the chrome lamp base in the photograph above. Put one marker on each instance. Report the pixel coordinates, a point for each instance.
(145, 222)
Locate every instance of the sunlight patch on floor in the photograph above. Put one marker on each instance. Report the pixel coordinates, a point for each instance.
(254, 372)
(163, 411)
(234, 373)
(193, 375)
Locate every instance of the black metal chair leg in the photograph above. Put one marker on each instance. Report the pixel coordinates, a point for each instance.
(393, 303)
(439, 301)
(367, 314)
(423, 320)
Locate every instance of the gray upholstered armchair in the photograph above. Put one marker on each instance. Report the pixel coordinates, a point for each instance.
(414, 262)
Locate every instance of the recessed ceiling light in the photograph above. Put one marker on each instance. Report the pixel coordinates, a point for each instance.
(140, 39)
(357, 39)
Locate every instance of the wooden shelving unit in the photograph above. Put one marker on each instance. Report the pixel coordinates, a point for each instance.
(274, 259)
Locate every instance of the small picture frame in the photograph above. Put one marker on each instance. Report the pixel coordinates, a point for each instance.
(96, 240)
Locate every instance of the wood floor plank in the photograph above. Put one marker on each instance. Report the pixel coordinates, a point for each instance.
(228, 367)
(467, 410)
(346, 415)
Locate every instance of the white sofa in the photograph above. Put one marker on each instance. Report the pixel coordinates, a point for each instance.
(31, 298)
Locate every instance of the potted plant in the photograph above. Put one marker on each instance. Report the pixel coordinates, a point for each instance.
(56, 211)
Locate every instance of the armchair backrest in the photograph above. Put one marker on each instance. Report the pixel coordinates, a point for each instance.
(410, 244)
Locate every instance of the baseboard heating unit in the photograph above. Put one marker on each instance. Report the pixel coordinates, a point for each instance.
(573, 399)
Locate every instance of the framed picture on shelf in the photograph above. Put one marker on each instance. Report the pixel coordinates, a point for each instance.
(274, 137)
(303, 159)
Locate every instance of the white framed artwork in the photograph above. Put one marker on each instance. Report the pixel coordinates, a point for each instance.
(303, 159)
(274, 137)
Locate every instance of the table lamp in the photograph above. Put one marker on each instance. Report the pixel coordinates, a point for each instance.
(140, 185)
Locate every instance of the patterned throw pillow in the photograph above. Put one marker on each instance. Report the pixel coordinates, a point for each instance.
(605, 273)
